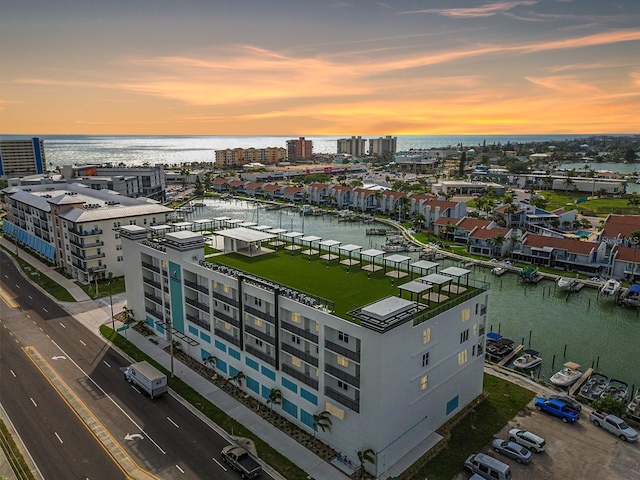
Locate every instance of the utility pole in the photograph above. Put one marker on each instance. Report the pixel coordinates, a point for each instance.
(113, 321)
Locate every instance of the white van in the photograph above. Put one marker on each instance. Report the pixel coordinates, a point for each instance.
(487, 467)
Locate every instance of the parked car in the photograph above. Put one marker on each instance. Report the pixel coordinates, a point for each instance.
(528, 439)
(512, 450)
(487, 467)
(614, 425)
(570, 402)
(557, 408)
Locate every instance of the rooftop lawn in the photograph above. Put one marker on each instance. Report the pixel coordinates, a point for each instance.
(347, 289)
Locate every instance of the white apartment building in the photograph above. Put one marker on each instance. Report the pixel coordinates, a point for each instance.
(74, 227)
(22, 157)
(390, 372)
(356, 146)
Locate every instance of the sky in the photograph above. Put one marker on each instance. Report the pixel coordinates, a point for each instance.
(315, 67)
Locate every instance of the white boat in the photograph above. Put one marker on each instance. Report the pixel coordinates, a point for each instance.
(569, 375)
(529, 359)
(611, 287)
(565, 283)
(499, 271)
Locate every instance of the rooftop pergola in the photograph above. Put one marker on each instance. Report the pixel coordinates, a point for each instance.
(459, 273)
(437, 279)
(328, 244)
(244, 241)
(415, 287)
(219, 221)
(262, 228)
(397, 261)
(372, 253)
(179, 226)
(202, 224)
(157, 230)
(234, 222)
(309, 239)
(278, 232)
(349, 248)
(291, 236)
(248, 224)
(423, 266)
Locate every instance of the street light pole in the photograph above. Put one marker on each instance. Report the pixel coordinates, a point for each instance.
(113, 320)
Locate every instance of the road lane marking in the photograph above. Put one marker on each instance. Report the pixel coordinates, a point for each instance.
(106, 363)
(62, 324)
(8, 299)
(45, 310)
(82, 342)
(219, 464)
(174, 423)
(33, 401)
(30, 297)
(17, 286)
(110, 399)
(29, 316)
(178, 467)
(12, 373)
(58, 437)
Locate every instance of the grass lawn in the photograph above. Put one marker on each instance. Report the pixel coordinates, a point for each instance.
(601, 206)
(117, 286)
(267, 453)
(504, 400)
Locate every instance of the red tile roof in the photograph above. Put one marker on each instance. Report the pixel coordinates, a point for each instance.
(570, 245)
(219, 181)
(627, 254)
(290, 190)
(446, 221)
(620, 225)
(319, 186)
(236, 183)
(271, 187)
(253, 185)
(469, 223)
(489, 232)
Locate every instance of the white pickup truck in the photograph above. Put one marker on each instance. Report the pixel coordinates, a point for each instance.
(614, 425)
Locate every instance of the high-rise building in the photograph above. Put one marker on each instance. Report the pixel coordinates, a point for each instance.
(300, 149)
(355, 146)
(390, 369)
(382, 145)
(22, 157)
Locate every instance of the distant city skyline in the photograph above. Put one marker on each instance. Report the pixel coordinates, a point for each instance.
(291, 67)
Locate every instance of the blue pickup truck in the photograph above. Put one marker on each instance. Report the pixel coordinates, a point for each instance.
(557, 408)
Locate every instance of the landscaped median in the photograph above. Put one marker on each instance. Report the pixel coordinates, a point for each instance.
(279, 462)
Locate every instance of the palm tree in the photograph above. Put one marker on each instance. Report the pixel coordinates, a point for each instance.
(209, 361)
(514, 240)
(418, 222)
(567, 182)
(127, 313)
(634, 201)
(497, 243)
(365, 456)
(237, 378)
(275, 398)
(322, 420)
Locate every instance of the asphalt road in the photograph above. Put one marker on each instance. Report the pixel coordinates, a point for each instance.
(174, 444)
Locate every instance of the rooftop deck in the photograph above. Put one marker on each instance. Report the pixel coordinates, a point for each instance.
(348, 288)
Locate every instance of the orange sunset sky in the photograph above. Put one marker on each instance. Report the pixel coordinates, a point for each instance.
(284, 67)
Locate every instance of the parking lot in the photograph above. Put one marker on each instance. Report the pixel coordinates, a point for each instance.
(574, 452)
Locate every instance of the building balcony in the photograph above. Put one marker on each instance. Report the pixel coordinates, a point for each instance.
(265, 357)
(153, 298)
(195, 286)
(151, 267)
(257, 313)
(84, 233)
(227, 337)
(154, 312)
(151, 282)
(296, 352)
(306, 379)
(260, 334)
(225, 299)
(81, 244)
(195, 303)
(341, 375)
(343, 399)
(80, 266)
(200, 322)
(340, 350)
(301, 332)
(226, 318)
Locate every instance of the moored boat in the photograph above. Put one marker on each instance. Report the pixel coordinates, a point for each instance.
(617, 389)
(611, 287)
(530, 275)
(499, 271)
(498, 346)
(529, 359)
(631, 297)
(565, 283)
(594, 386)
(569, 375)
(633, 409)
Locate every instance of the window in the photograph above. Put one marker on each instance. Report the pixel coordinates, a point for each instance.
(308, 396)
(466, 314)
(425, 359)
(475, 330)
(423, 383)
(307, 418)
(463, 357)
(145, 221)
(473, 351)
(452, 404)
(252, 384)
(296, 317)
(343, 385)
(296, 361)
(117, 236)
(193, 330)
(205, 337)
(265, 392)
(257, 322)
(477, 305)
(259, 342)
(268, 373)
(426, 335)
(118, 247)
(251, 363)
(226, 288)
(234, 353)
(120, 259)
(343, 362)
(343, 337)
(290, 385)
(464, 336)
(333, 410)
(290, 408)
(295, 339)
(257, 301)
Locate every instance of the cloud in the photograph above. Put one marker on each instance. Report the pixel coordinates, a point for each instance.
(486, 10)
(566, 84)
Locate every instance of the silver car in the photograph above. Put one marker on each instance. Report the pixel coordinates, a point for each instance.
(528, 439)
(512, 450)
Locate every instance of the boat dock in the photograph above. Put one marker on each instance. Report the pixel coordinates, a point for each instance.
(380, 231)
(576, 386)
(511, 355)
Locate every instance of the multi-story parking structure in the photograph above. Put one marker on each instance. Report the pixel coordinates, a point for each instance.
(390, 370)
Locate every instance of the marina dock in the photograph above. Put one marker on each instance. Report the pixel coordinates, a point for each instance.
(508, 358)
(576, 386)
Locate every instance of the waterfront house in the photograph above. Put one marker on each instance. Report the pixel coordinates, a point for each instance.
(619, 229)
(433, 208)
(342, 196)
(237, 186)
(563, 254)
(220, 185)
(491, 242)
(389, 370)
(292, 194)
(364, 200)
(390, 201)
(254, 189)
(318, 193)
(466, 225)
(625, 263)
(272, 191)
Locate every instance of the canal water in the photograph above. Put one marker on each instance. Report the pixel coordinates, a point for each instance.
(590, 329)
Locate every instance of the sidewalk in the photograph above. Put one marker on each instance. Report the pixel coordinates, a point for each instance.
(92, 314)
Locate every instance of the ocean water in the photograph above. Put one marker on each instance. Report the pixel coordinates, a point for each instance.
(136, 150)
